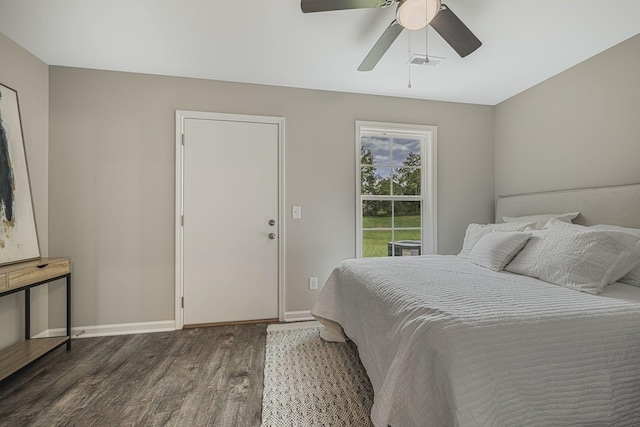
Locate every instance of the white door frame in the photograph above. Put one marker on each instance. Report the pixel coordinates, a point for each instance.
(181, 115)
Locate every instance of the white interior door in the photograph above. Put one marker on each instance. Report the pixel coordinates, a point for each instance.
(231, 221)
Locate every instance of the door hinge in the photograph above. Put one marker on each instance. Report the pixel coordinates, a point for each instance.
(182, 303)
(182, 220)
(183, 138)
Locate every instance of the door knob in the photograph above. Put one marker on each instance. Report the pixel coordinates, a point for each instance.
(272, 236)
(272, 222)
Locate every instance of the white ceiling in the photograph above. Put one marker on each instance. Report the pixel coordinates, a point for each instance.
(274, 43)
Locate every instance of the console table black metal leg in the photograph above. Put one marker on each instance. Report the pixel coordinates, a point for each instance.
(69, 311)
(27, 313)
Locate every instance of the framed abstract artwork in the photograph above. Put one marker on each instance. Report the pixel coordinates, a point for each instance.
(18, 235)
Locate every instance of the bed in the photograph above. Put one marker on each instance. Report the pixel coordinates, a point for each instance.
(447, 342)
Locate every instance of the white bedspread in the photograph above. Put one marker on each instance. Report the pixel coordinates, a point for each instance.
(448, 343)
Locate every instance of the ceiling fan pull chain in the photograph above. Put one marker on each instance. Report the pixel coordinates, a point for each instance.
(409, 63)
(426, 36)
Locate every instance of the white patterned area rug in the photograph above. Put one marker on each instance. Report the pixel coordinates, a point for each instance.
(310, 382)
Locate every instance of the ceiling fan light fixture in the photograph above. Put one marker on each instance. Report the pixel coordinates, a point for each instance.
(416, 14)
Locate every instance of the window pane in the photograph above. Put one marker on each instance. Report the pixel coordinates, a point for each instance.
(375, 243)
(412, 235)
(407, 243)
(407, 215)
(375, 181)
(406, 152)
(368, 180)
(406, 181)
(375, 150)
(376, 214)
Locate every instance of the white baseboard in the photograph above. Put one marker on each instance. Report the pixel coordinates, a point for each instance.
(143, 327)
(298, 316)
(109, 330)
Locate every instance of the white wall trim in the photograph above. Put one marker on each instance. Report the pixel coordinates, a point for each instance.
(111, 330)
(181, 115)
(298, 316)
(178, 260)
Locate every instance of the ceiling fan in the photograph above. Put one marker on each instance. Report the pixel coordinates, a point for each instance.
(410, 14)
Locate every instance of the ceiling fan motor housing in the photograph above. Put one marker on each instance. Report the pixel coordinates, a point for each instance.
(416, 14)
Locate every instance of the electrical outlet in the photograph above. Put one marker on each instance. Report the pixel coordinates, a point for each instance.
(313, 283)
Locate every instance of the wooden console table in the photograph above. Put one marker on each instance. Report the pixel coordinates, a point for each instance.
(22, 277)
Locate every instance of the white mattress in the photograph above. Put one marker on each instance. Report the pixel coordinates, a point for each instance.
(448, 343)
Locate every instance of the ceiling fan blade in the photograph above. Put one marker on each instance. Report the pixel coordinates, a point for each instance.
(327, 5)
(382, 45)
(454, 32)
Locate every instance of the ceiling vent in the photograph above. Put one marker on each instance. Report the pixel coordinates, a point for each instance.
(420, 60)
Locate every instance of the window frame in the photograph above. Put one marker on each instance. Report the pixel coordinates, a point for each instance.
(428, 180)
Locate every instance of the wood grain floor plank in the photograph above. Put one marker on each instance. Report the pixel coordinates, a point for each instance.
(204, 377)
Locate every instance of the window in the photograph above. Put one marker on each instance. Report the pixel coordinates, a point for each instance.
(395, 189)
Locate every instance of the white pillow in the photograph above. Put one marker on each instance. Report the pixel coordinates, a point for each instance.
(541, 220)
(634, 231)
(494, 250)
(576, 259)
(633, 277)
(476, 231)
(558, 223)
(627, 267)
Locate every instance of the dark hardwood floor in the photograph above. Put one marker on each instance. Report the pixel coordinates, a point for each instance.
(194, 377)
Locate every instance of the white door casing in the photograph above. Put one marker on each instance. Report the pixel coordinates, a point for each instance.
(228, 188)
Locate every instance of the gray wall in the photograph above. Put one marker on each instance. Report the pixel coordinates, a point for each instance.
(29, 77)
(112, 179)
(577, 129)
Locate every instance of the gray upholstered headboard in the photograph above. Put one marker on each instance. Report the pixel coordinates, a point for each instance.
(619, 205)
